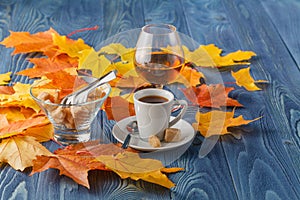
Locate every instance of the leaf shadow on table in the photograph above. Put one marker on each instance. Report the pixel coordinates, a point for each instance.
(103, 184)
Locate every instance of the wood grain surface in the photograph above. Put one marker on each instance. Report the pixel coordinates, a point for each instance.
(263, 164)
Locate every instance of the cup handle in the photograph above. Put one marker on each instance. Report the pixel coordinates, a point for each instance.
(179, 116)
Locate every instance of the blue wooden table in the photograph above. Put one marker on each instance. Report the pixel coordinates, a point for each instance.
(263, 164)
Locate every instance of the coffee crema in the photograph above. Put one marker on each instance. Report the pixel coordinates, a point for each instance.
(153, 99)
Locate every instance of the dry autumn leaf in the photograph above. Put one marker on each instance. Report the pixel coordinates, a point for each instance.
(210, 56)
(189, 77)
(117, 108)
(24, 42)
(99, 64)
(130, 165)
(41, 133)
(61, 51)
(214, 96)
(3, 121)
(244, 79)
(43, 66)
(128, 82)
(20, 97)
(20, 111)
(64, 82)
(20, 151)
(69, 46)
(6, 90)
(124, 68)
(127, 162)
(115, 48)
(76, 160)
(15, 114)
(89, 59)
(217, 122)
(5, 78)
(18, 127)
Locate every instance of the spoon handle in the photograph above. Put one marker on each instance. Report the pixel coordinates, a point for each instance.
(85, 90)
(126, 141)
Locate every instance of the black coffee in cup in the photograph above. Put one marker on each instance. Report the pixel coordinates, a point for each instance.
(153, 99)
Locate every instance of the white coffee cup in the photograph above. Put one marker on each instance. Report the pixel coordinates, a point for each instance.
(154, 118)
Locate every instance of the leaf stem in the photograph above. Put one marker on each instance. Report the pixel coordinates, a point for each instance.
(82, 30)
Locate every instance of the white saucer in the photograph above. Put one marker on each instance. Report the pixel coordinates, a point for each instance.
(120, 132)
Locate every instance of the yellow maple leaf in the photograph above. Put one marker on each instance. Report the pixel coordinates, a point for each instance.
(5, 78)
(89, 59)
(99, 63)
(244, 79)
(216, 122)
(68, 46)
(12, 113)
(41, 133)
(20, 151)
(21, 97)
(125, 68)
(130, 165)
(210, 56)
(199, 57)
(126, 64)
(118, 49)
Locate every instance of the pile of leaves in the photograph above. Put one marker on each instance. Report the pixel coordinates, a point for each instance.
(23, 125)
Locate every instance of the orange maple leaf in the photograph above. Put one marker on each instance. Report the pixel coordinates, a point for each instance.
(46, 65)
(189, 76)
(24, 42)
(65, 82)
(6, 90)
(18, 127)
(75, 161)
(214, 96)
(118, 108)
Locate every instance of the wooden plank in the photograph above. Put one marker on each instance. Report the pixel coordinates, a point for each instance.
(261, 164)
(168, 12)
(121, 16)
(208, 24)
(284, 16)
